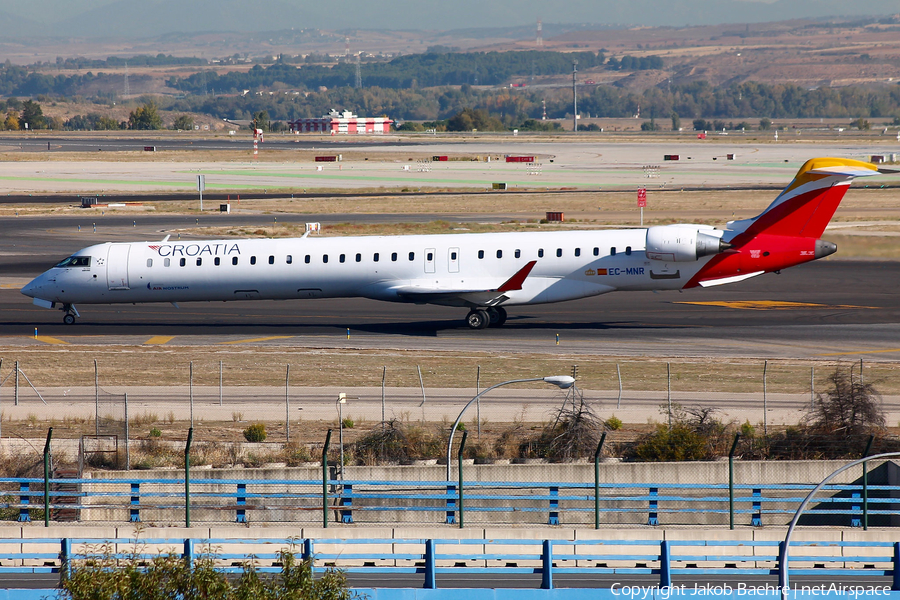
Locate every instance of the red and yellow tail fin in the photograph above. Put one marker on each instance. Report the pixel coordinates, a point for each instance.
(804, 208)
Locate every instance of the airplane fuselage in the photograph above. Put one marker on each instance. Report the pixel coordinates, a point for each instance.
(569, 265)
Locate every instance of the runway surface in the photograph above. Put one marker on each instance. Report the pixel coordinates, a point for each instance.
(395, 163)
(830, 308)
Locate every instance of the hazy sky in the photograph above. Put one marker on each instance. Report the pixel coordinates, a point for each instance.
(152, 17)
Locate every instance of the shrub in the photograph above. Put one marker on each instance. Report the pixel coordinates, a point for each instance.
(255, 433)
(169, 576)
(693, 435)
(614, 423)
(155, 433)
(348, 423)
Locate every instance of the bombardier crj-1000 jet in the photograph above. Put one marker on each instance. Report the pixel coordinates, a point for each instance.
(485, 272)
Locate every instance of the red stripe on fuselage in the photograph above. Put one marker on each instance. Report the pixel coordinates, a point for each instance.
(762, 253)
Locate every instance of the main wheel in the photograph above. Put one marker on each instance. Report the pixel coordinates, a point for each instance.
(69, 319)
(478, 319)
(498, 316)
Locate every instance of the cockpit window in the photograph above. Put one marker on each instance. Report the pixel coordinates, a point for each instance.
(76, 261)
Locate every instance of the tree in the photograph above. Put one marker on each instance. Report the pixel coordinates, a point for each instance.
(861, 124)
(676, 121)
(184, 122)
(765, 124)
(145, 117)
(33, 115)
(12, 121)
(260, 120)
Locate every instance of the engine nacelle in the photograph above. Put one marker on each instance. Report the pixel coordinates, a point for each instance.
(682, 243)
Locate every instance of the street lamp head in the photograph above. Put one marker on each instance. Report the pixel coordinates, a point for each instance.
(342, 398)
(561, 381)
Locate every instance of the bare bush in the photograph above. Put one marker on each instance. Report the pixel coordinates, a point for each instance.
(848, 407)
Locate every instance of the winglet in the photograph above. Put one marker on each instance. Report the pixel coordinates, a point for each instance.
(515, 282)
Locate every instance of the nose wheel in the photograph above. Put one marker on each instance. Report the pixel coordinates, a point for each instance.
(71, 314)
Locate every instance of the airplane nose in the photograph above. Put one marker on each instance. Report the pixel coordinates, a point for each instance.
(31, 288)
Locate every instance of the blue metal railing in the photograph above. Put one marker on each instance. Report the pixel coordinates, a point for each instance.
(361, 501)
(666, 560)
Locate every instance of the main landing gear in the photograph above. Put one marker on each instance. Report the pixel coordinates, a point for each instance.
(71, 313)
(481, 318)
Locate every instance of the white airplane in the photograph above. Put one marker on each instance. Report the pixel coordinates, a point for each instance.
(485, 273)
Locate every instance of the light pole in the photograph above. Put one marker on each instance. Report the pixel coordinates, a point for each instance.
(341, 401)
(574, 97)
(560, 381)
(783, 563)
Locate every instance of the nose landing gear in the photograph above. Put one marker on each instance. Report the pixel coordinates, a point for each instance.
(71, 313)
(481, 318)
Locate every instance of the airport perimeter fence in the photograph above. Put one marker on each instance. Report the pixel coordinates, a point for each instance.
(284, 396)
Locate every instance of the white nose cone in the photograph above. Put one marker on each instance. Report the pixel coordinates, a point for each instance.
(31, 288)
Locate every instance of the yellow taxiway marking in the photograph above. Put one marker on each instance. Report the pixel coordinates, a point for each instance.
(10, 286)
(264, 339)
(852, 352)
(160, 339)
(49, 340)
(771, 305)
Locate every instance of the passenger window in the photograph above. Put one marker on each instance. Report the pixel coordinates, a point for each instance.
(182, 262)
(307, 258)
(596, 251)
(412, 256)
(149, 262)
(394, 256)
(252, 260)
(518, 253)
(627, 250)
(375, 258)
(199, 261)
(324, 258)
(166, 262)
(358, 257)
(540, 253)
(612, 251)
(234, 260)
(559, 252)
(453, 256)
(271, 260)
(342, 257)
(289, 259)
(499, 253)
(429, 257)
(577, 251)
(217, 261)
(481, 254)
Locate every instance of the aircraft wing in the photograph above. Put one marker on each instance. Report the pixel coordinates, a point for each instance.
(467, 296)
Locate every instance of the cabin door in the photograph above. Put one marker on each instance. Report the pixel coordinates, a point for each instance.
(117, 266)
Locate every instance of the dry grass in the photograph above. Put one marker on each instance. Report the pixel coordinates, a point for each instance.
(138, 366)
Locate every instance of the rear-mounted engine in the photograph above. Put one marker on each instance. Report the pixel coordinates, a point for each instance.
(681, 243)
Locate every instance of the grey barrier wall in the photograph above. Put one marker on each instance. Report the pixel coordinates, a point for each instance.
(630, 494)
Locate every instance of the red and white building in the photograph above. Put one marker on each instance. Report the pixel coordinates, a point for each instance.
(344, 122)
